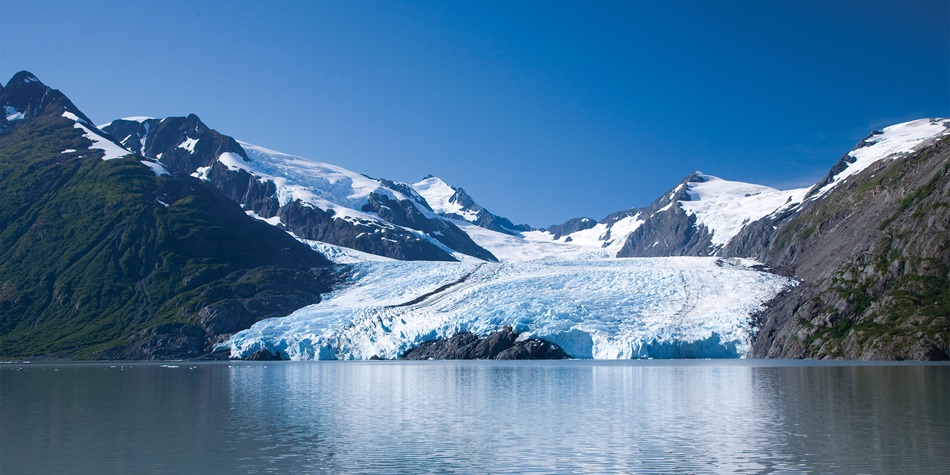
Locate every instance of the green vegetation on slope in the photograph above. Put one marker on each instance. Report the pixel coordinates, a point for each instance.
(874, 257)
(103, 258)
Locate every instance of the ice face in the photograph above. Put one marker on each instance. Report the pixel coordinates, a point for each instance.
(595, 308)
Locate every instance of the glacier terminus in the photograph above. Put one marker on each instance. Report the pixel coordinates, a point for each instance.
(675, 307)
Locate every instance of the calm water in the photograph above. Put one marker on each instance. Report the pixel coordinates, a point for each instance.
(474, 417)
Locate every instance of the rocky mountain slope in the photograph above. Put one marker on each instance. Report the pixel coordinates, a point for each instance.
(872, 254)
(105, 254)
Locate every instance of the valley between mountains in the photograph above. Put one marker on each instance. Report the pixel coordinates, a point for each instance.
(162, 238)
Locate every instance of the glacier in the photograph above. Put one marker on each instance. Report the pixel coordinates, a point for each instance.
(674, 307)
(567, 289)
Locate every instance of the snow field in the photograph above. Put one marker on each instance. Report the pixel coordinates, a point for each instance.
(725, 207)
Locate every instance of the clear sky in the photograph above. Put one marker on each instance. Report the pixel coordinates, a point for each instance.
(543, 111)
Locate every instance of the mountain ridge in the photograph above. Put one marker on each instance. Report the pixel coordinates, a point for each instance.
(104, 254)
(313, 200)
(866, 243)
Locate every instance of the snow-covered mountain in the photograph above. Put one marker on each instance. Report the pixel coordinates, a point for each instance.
(313, 200)
(703, 214)
(432, 220)
(561, 285)
(455, 203)
(697, 217)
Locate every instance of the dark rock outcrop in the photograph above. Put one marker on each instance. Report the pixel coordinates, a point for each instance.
(501, 345)
(667, 229)
(571, 226)
(264, 355)
(404, 213)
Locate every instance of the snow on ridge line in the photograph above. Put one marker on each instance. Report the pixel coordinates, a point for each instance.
(318, 185)
(893, 142)
(603, 309)
(287, 190)
(110, 149)
(139, 119)
(330, 183)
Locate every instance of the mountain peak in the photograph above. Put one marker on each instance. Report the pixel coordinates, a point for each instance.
(23, 77)
(432, 180)
(26, 97)
(454, 203)
(698, 177)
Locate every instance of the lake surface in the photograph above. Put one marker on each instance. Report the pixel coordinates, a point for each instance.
(475, 417)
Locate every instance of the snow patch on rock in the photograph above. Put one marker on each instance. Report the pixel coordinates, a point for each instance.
(156, 167)
(110, 149)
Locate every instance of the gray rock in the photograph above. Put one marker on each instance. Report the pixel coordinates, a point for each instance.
(501, 345)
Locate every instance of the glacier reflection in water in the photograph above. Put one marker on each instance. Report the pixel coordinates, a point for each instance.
(475, 417)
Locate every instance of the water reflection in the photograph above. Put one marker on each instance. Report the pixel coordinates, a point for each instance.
(475, 417)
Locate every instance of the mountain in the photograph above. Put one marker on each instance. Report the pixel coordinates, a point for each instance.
(870, 247)
(455, 203)
(697, 217)
(313, 200)
(163, 238)
(704, 215)
(105, 254)
(868, 244)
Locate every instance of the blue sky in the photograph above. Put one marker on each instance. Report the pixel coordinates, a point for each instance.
(543, 111)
